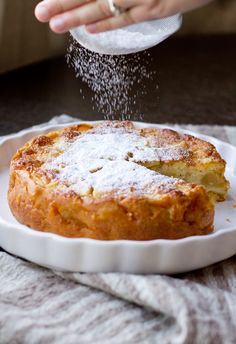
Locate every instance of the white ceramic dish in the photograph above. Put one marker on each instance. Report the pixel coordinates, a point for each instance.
(88, 255)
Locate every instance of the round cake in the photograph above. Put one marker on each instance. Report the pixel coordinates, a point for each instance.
(113, 181)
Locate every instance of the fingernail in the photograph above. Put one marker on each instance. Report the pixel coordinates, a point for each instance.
(42, 12)
(91, 28)
(57, 24)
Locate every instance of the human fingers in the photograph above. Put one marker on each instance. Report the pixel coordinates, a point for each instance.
(94, 11)
(86, 14)
(132, 16)
(47, 9)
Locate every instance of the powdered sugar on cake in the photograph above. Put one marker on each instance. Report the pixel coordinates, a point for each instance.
(108, 159)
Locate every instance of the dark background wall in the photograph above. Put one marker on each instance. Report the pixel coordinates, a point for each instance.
(23, 40)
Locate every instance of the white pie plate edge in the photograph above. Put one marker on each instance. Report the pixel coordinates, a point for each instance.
(88, 255)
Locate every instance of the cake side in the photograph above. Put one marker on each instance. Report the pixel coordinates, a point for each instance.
(175, 214)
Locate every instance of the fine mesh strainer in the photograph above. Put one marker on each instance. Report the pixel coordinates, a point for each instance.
(130, 39)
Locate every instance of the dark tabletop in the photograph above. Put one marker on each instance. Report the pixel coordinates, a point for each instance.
(196, 78)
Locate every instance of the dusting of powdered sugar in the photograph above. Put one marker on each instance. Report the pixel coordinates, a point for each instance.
(119, 176)
(107, 159)
(118, 144)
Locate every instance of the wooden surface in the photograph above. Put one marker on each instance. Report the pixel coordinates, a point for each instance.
(196, 79)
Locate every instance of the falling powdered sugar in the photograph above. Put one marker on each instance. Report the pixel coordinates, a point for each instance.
(118, 82)
(108, 159)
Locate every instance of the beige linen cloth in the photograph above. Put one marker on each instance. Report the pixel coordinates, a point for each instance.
(38, 305)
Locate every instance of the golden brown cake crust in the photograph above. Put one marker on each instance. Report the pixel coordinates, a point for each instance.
(44, 192)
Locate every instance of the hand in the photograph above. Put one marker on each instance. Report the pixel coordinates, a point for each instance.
(64, 15)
